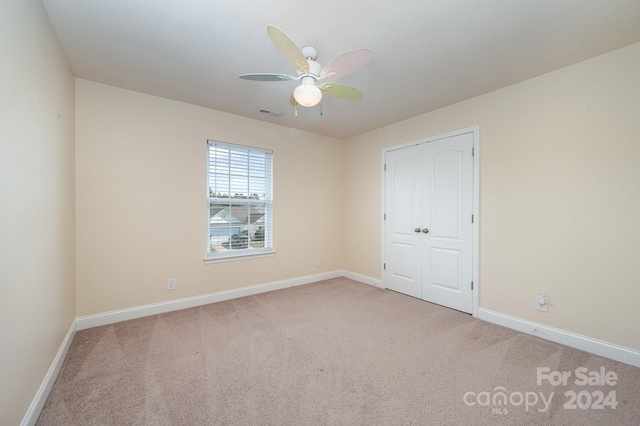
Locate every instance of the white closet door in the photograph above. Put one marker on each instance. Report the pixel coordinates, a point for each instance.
(447, 249)
(403, 206)
(428, 232)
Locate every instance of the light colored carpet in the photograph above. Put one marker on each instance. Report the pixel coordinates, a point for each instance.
(335, 352)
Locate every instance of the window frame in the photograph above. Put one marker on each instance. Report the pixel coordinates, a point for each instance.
(232, 161)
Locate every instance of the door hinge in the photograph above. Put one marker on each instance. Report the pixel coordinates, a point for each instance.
(471, 218)
(385, 216)
(473, 151)
(384, 266)
(385, 167)
(471, 285)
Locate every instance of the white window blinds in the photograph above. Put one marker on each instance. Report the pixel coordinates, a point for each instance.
(240, 200)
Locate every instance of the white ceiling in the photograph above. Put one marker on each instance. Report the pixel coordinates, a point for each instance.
(427, 53)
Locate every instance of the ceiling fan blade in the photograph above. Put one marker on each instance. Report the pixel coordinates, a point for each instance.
(288, 48)
(346, 63)
(267, 77)
(340, 91)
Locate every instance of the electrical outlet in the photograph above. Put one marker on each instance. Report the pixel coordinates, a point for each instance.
(318, 263)
(171, 284)
(542, 302)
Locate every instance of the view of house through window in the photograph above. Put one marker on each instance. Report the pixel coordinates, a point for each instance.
(239, 181)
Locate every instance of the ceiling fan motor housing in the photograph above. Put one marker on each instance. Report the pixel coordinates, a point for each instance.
(310, 52)
(314, 69)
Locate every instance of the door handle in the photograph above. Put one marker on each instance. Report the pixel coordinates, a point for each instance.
(425, 230)
(416, 230)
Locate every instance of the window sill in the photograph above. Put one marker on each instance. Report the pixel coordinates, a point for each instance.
(236, 257)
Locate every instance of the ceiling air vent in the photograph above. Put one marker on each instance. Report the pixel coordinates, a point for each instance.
(269, 112)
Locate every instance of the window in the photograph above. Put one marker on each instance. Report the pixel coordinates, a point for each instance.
(240, 201)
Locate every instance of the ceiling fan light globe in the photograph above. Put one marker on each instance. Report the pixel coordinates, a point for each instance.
(307, 95)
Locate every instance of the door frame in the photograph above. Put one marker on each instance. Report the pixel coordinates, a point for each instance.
(475, 130)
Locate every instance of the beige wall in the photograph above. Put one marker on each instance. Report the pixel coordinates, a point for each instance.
(141, 191)
(37, 269)
(559, 195)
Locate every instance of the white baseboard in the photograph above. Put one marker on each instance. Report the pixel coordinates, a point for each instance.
(362, 278)
(111, 317)
(587, 344)
(31, 417)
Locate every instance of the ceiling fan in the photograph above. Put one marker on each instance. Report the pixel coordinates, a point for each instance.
(310, 73)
